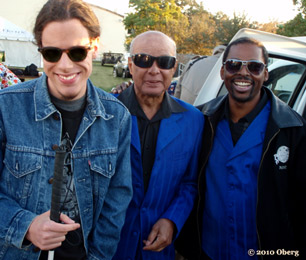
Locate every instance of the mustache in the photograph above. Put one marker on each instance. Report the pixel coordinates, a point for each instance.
(243, 78)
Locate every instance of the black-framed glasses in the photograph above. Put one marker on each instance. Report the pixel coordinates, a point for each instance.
(233, 66)
(75, 53)
(146, 61)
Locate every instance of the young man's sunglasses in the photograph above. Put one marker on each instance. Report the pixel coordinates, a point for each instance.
(146, 61)
(233, 66)
(76, 53)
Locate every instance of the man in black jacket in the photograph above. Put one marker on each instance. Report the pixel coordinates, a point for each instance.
(252, 179)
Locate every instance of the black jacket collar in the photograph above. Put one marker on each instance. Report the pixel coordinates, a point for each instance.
(127, 97)
(280, 114)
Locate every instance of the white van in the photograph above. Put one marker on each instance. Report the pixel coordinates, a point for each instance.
(287, 70)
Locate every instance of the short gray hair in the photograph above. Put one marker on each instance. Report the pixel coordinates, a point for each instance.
(151, 32)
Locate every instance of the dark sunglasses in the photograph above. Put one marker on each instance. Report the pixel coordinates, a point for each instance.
(233, 66)
(53, 54)
(146, 61)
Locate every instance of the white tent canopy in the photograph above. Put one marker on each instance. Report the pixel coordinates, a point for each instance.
(18, 44)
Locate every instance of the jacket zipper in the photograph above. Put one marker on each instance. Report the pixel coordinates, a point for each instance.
(262, 158)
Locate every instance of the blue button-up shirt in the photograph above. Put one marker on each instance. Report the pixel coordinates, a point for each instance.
(229, 219)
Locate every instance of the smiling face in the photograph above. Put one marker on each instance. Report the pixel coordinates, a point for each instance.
(153, 81)
(67, 79)
(244, 87)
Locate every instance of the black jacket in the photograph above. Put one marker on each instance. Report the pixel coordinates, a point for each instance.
(281, 203)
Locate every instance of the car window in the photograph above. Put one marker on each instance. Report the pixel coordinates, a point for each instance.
(284, 78)
(124, 59)
(179, 70)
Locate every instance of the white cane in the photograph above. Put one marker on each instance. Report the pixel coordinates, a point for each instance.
(56, 189)
(51, 255)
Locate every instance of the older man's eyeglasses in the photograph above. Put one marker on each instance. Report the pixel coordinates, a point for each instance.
(76, 53)
(146, 61)
(233, 66)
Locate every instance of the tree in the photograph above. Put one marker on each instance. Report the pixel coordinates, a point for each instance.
(185, 21)
(301, 7)
(161, 15)
(195, 30)
(295, 27)
(200, 34)
(270, 27)
(226, 28)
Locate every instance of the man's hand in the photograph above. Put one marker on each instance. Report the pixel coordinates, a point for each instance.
(120, 88)
(47, 234)
(160, 236)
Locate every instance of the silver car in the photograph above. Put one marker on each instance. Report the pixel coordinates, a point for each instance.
(121, 68)
(287, 70)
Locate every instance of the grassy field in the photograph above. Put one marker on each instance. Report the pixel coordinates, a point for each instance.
(102, 77)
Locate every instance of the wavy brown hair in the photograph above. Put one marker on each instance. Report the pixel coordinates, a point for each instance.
(62, 10)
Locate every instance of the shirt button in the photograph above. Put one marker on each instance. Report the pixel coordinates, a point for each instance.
(36, 249)
(135, 233)
(55, 147)
(143, 209)
(56, 116)
(50, 181)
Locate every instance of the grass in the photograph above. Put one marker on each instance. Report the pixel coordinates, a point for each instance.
(102, 77)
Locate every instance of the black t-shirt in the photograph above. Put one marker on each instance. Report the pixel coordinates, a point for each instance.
(148, 129)
(73, 247)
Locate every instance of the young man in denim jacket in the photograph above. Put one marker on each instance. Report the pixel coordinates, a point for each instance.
(35, 117)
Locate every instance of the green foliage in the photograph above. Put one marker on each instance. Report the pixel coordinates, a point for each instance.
(161, 15)
(301, 4)
(194, 29)
(200, 36)
(295, 27)
(226, 28)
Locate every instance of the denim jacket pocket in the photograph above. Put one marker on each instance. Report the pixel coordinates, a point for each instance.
(21, 163)
(20, 169)
(104, 164)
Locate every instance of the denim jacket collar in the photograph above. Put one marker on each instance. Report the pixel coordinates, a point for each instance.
(44, 107)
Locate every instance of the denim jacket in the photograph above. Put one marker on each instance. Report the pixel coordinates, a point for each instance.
(30, 131)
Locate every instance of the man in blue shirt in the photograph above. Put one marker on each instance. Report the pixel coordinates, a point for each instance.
(166, 140)
(252, 179)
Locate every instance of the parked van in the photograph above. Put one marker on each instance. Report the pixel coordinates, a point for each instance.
(287, 70)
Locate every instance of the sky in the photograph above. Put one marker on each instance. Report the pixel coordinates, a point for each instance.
(262, 11)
